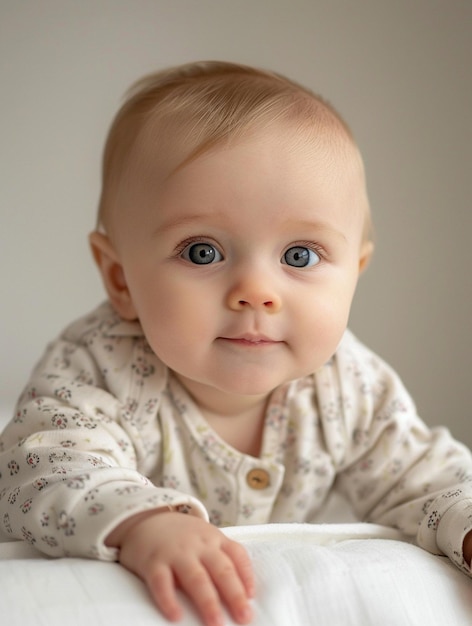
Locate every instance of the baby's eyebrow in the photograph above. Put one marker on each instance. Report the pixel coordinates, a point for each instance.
(313, 227)
(316, 226)
(185, 220)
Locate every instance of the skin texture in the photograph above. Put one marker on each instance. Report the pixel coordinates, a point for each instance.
(251, 202)
(170, 549)
(234, 329)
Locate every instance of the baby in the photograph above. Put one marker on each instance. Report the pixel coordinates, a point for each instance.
(219, 385)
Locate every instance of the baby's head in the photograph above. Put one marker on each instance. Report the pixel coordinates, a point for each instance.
(173, 116)
(233, 225)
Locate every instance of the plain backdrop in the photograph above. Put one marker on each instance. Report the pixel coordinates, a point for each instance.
(399, 72)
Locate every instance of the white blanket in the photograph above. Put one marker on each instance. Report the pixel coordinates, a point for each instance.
(325, 575)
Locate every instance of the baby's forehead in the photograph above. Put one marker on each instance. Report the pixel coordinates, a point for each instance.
(171, 118)
(165, 147)
(168, 145)
(305, 160)
(197, 183)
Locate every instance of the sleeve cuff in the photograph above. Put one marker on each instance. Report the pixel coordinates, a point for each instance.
(453, 526)
(98, 521)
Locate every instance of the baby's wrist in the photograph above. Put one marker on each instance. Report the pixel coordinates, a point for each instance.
(115, 538)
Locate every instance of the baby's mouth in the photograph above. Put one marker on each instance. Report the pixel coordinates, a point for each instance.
(251, 340)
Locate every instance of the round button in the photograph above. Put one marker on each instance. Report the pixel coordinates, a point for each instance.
(258, 478)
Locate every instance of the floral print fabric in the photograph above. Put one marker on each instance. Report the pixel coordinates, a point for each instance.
(103, 431)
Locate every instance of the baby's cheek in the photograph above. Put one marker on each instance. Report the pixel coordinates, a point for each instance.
(323, 332)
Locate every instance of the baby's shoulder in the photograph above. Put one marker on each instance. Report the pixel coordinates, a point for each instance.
(102, 324)
(355, 364)
(352, 351)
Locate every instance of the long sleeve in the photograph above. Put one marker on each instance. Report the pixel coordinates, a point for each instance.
(74, 459)
(393, 468)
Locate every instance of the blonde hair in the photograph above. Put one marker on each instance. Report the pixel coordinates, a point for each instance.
(203, 104)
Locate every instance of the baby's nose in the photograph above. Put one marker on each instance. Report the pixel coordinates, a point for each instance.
(254, 294)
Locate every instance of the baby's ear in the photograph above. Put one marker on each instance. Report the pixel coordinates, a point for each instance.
(113, 275)
(367, 250)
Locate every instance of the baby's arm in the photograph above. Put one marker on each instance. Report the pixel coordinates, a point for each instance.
(169, 549)
(397, 471)
(70, 463)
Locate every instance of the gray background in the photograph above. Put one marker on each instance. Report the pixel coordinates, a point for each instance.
(398, 71)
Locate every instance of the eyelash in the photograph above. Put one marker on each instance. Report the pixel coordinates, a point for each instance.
(311, 245)
(314, 247)
(190, 240)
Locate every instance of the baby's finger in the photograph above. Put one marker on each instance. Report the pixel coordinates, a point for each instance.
(242, 562)
(161, 584)
(195, 581)
(230, 587)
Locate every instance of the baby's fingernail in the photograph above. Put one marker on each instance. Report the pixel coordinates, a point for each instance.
(216, 620)
(245, 615)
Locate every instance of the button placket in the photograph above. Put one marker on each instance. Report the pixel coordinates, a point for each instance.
(258, 485)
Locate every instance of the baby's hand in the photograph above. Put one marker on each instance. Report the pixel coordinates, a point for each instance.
(168, 550)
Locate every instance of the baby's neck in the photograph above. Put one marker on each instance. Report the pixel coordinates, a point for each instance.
(238, 420)
(244, 431)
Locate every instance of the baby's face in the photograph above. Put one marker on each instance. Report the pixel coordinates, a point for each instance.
(242, 265)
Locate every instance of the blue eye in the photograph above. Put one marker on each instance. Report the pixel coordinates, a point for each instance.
(300, 256)
(201, 254)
